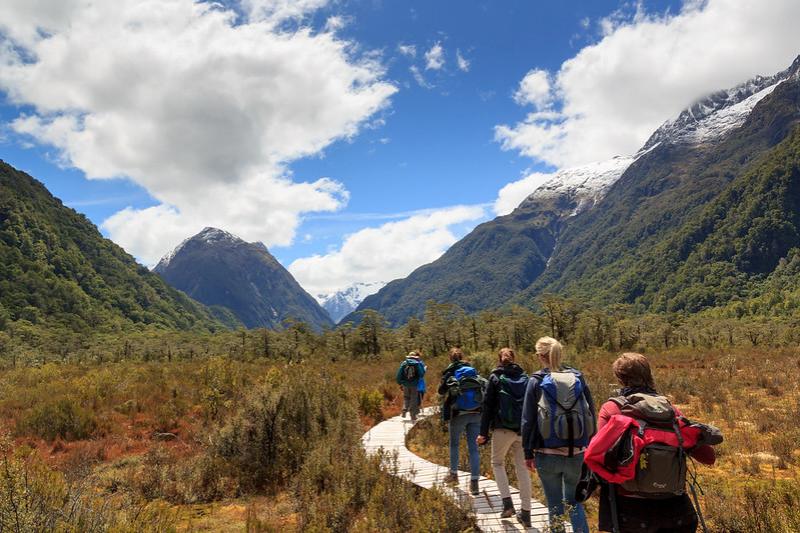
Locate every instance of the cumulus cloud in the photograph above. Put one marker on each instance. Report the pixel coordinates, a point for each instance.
(434, 58)
(201, 109)
(383, 253)
(462, 62)
(511, 195)
(645, 69)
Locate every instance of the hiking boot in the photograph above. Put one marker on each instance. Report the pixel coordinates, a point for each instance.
(404, 413)
(451, 478)
(524, 518)
(473, 487)
(508, 508)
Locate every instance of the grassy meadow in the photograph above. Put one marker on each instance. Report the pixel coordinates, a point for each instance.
(156, 430)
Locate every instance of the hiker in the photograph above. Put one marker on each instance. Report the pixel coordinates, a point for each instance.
(558, 420)
(411, 371)
(462, 389)
(642, 511)
(502, 415)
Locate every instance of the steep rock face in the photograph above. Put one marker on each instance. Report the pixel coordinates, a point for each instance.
(578, 232)
(220, 269)
(56, 268)
(343, 302)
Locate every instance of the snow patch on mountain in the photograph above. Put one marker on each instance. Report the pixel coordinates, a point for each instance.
(715, 115)
(585, 184)
(342, 303)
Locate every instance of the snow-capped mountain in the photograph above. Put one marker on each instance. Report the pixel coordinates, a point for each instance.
(207, 236)
(708, 120)
(342, 303)
(715, 115)
(584, 185)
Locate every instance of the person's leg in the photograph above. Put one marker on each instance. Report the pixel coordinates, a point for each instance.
(549, 468)
(413, 402)
(502, 439)
(572, 474)
(523, 476)
(473, 427)
(456, 427)
(406, 400)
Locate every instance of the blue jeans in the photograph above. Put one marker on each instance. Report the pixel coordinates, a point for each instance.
(471, 424)
(559, 475)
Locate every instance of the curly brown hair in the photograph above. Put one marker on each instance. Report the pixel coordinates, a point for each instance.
(633, 370)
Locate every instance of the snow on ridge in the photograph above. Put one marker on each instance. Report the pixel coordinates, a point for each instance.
(209, 235)
(587, 184)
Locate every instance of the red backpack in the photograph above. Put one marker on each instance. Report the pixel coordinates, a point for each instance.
(644, 448)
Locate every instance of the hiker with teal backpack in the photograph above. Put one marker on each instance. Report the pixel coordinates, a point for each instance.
(502, 415)
(462, 390)
(558, 421)
(409, 375)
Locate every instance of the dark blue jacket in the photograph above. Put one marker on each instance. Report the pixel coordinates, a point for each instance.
(531, 437)
(490, 417)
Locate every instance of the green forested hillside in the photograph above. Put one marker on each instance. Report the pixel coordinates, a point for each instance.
(56, 268)
(484, 269)
(223, 271)
(688, 227)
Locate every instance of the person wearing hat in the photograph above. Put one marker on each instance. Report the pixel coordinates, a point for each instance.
(409, 376)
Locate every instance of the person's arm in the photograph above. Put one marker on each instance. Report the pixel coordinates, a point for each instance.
(704, 454)
(443, 385)
(399, 375)
(588, 394)
(530, 426)
(489, 405)
(607, 410)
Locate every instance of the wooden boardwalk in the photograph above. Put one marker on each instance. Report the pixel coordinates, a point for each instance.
(391, 436)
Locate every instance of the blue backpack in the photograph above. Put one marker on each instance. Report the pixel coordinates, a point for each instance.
(512, 395)
(467, 388)
(565, 420)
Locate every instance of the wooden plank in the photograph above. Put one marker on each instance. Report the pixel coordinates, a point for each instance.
(390, 437)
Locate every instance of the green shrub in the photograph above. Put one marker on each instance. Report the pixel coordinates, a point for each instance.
(64, 418)
(370, 403)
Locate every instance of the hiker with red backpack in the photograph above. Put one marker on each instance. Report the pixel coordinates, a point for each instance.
(410, 376)
(502, 415)
(558, 421)
(462, 390)
(640, 452)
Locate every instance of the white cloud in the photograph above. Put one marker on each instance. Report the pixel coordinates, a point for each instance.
(434, 58)
(387, 252)
(203, 112)
(419, 78)
(511, 195)
(462, 62)
(277, 11)
(646, 68)
(408, 50)
(535, 89)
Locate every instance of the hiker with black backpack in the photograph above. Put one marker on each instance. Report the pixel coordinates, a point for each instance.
(558, 421)
(409, 376)
(462, 390)
(641, 451)
(502, 415)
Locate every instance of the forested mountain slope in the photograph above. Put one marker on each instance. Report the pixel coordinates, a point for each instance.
(222, 270)
(56, 268)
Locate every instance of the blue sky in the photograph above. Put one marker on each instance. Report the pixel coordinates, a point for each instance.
(416, 160)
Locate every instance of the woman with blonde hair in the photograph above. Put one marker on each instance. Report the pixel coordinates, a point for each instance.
(502, 415)
(558, 420)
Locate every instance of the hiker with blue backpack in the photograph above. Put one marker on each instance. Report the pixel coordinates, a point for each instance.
(463, 390)
(558, 421)
(502, 415)
(410, 375)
